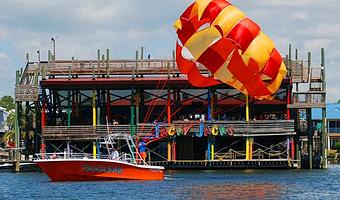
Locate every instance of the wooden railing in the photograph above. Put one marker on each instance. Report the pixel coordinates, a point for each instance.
(299, 71)
(239, 128)
(311, 99)
(111, 67)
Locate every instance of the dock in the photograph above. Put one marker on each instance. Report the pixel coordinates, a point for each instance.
(228, 164)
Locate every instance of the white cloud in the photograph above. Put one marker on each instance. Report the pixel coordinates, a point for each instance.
(300, 15)
(317, 43)
(6, 75)
(323, 30)
(3, 57)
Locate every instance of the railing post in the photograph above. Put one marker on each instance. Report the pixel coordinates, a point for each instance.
(108, 106)
(134, 68)
(324, 120)
(107, 62)
(142, 55)
(98, 59)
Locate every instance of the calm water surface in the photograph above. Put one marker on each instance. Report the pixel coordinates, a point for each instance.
(246, 184)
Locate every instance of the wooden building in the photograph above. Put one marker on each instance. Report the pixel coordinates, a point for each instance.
(75, 102)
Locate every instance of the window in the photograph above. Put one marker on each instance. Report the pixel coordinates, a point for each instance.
(334, 126)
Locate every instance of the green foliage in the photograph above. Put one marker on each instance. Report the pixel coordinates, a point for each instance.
(7, 102)
(337, 146)
(8, 135)
(10, 122)
(338, 101)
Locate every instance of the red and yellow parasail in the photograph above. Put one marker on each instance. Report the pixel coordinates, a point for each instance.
(231, 46)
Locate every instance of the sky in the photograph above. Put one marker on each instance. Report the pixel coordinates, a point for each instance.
(83, 26)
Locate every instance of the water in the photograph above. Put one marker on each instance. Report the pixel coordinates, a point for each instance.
(242, 184)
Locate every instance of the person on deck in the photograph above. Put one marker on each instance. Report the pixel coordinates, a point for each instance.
(114, 154)
(142, 149)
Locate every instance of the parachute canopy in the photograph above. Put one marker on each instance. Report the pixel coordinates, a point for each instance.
(231, 46)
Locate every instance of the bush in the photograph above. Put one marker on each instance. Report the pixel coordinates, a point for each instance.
(337, 146)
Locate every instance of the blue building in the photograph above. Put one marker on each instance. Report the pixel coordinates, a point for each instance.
(3, 118)
(332, 120)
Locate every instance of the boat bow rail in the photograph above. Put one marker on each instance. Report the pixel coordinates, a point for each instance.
(107, 142)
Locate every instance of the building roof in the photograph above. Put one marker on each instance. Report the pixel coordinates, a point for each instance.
(332, 112)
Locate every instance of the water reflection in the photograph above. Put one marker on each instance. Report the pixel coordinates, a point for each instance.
(236, 191)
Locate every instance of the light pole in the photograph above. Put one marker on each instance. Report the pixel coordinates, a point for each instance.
(39, 69)
(53, 40)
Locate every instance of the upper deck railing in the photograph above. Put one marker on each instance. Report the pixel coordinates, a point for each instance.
(159, 130)
(108, 68)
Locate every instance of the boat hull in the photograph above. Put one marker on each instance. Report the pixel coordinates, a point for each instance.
(98, 170)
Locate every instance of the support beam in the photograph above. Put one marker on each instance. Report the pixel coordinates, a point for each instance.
(94, 111)
(324, 136)
(43, 122)
(43, 111)
(27, 127)
(98, 107)
(310, 138)
(212, 149)
(169, 150)
(251, 144)
(36, 130)
(74, 104)
(137, 101)
(249, 141)
(132, 113)
(17, 128)
(288, 148)
(247, 108)
(168, 106)
(209, 143)
(68, 148)
(94, 149)
(98, 150)
(289, 96)
(292, 148)
(247, 148)
(209, 113)
(209, 148)
(108, 105)
(174, 144)
(69, 107)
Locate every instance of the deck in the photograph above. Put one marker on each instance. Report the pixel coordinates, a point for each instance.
(240, 129)
(228, 164)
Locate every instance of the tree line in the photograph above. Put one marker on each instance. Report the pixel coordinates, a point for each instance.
(8, 103)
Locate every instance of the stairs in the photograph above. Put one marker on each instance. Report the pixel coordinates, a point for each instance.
(27, 89)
